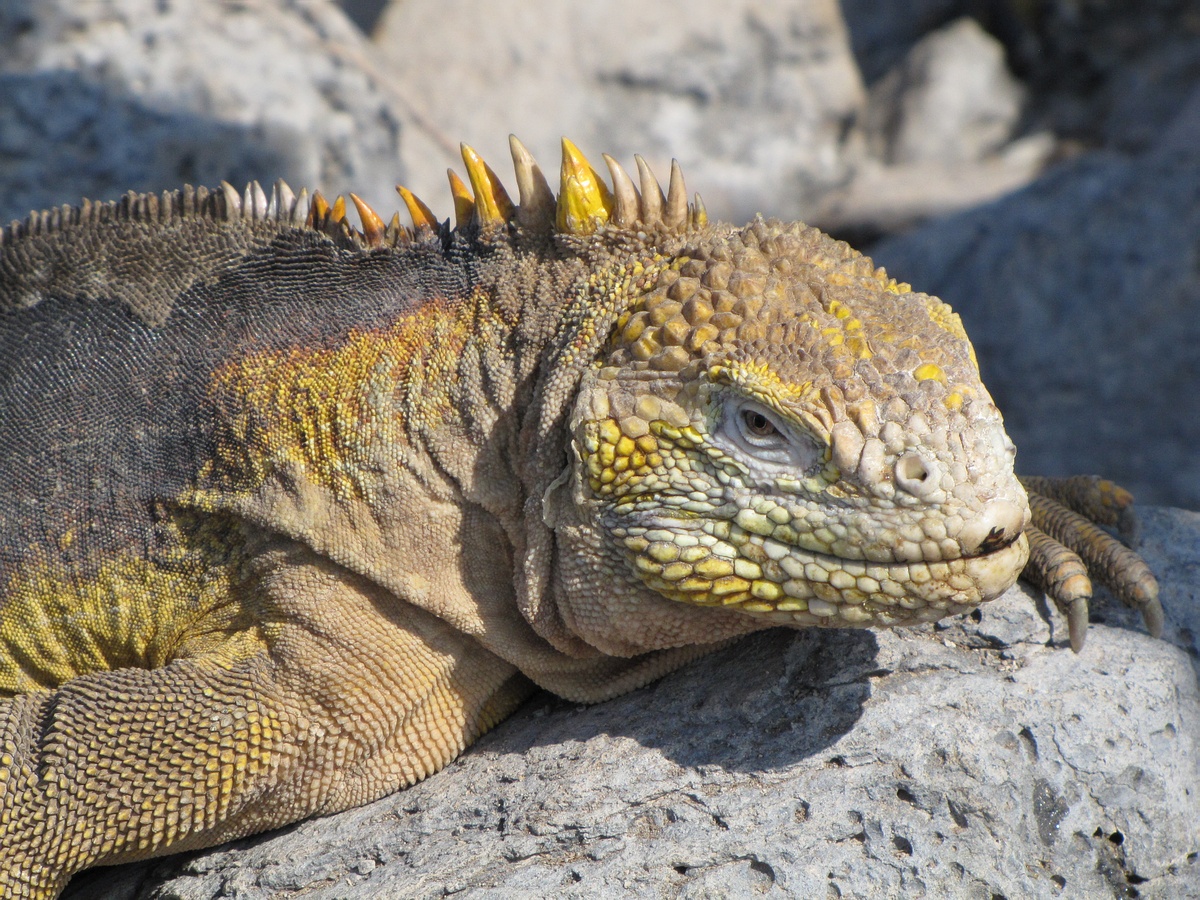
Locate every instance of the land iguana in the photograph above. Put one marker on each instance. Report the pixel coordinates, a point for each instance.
(293, 510)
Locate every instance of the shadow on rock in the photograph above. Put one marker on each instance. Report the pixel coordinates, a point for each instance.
(765, 702)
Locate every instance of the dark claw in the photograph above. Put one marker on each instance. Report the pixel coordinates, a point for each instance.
(1152, 615)
(1077, 622)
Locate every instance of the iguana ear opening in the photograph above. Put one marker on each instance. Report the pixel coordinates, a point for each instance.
(553, 497)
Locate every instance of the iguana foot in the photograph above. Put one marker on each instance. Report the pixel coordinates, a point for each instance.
(1067, 548)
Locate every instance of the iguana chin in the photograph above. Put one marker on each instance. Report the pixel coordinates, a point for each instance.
(293, 511)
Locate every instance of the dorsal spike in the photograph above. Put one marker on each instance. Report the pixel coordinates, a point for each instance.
(258, 201)
(626, 205)
(233, 202)
(584, 200)
(699, 213)
(395, 233)
(299, 208)
(492, 203)
(149, 210)
(168, 206)
(187, 203)
(652, 195)
(464, 203)
(203, 201)
(675, 215)
(318, 211)
(373, 227)
(283, 200)
(422, 216)
(536, 211)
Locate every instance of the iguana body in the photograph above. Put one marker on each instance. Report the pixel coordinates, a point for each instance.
(293, 512)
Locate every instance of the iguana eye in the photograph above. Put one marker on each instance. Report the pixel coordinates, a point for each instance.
(751, 430)
(758, 424)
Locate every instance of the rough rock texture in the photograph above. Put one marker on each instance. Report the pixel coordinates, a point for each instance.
(1104, 72)
(969, 760)
(1082, 296)
(105, 97)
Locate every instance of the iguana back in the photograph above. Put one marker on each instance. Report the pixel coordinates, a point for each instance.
(111, 379)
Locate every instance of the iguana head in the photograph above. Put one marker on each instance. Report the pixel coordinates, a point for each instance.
(776, 428)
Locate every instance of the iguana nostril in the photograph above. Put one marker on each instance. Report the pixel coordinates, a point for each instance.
(917, 475)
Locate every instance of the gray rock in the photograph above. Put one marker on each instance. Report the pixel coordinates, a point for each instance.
(941, 128)
(1104, 72)
(1081, 294)
(763, 103)
(976, 758)
(951, 100)
(882, 34)
(101, 98)
(1145, 96)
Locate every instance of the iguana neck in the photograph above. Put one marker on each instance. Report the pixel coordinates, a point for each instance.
(451, 412)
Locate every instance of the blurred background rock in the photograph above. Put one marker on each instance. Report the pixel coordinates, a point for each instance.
(1033, 162)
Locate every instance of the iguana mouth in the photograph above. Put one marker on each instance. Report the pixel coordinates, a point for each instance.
(998, 538)
(792, 585)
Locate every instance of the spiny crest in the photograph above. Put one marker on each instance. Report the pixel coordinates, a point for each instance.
(224, 204)
(584, 202)
(583, 205)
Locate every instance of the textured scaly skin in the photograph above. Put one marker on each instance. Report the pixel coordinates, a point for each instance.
(293, 513)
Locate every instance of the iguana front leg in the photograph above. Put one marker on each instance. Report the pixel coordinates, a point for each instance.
(125, 764)
(352, 695)
(1066, 546)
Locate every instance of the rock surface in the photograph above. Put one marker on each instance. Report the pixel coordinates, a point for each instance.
(978, 758)
(950, 100)
(101, 98)
(763, 103)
